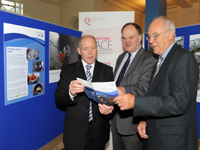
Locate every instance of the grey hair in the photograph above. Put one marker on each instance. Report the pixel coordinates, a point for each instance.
(168, 24)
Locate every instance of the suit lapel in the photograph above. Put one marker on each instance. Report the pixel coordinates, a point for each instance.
(163, 68)
(134, 61)
(97, 71)
(119, 62)
(80, 70)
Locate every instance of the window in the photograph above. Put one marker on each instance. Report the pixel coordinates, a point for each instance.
(13, 7)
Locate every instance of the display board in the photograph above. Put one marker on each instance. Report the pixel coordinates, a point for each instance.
(30, 50)
(188, 37)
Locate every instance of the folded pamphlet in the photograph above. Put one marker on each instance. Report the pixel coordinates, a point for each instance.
(101, 92)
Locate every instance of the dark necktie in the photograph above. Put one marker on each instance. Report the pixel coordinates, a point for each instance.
(89, 78)
(122, 72)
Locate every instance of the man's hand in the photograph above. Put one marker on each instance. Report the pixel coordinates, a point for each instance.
(104, 109)
(141, 129)
(121, 90)
(75, 87)
(125, 101)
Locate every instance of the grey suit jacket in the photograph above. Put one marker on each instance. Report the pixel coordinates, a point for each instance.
(135, 81)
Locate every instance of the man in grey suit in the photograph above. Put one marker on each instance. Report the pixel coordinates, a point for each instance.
(135, 80)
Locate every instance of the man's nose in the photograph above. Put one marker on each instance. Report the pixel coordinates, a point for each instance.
(127, 41)
(90, 51)
(151, 39)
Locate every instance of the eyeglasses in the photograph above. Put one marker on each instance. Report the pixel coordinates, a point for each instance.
(154, 36)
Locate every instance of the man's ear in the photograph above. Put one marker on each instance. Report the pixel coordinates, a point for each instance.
(171, 34)
(79, 50)
(140, 37)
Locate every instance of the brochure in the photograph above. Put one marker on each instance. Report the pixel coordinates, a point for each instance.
(101, 92)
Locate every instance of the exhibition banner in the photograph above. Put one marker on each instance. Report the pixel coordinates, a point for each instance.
(106, 28)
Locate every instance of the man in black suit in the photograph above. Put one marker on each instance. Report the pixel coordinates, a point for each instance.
(170, 104)
(79, 133)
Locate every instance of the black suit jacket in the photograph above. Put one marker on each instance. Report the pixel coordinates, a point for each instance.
(170, 106)
(77, 112)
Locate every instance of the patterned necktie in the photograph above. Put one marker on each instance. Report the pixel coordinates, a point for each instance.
(156, 72)
(89, 78)
(121, 74)
(158, 66)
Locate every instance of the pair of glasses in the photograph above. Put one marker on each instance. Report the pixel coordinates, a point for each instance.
(154, 36)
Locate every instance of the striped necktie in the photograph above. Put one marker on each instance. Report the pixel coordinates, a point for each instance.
(89, 78)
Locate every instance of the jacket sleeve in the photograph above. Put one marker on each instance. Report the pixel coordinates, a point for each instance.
(142, 85)
(61, 94)
(175, 91)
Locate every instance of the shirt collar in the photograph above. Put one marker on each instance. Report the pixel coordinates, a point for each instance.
(84, 64)
(164, 55)
(135, 51)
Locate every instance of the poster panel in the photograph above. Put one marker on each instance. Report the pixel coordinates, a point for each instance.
(24, 55)
(27, 105)
(106, 28)
(195, 49)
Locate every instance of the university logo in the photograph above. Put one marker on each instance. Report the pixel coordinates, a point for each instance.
(87, 21)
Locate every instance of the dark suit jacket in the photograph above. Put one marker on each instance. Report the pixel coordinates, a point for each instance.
(135, 81)
(77, 112)
(170, 106)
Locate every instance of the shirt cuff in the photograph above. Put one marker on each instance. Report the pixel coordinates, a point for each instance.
(72, 96)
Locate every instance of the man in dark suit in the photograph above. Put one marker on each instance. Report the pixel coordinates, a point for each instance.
(170, 105)
(135, 81)
(79, 133)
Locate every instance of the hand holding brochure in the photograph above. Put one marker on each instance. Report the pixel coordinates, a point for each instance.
(101, 92)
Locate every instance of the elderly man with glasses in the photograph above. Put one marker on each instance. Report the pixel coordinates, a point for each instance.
(170, 103)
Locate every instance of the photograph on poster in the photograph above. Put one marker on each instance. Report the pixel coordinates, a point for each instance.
(195, 43)
(180, 41)
(62, 51)
(32, 54)
(195, 49)
(38, 66)
(33, 78)
(37, 89)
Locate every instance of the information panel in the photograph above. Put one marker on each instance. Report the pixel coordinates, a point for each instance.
(29, 117)
(24, 55)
